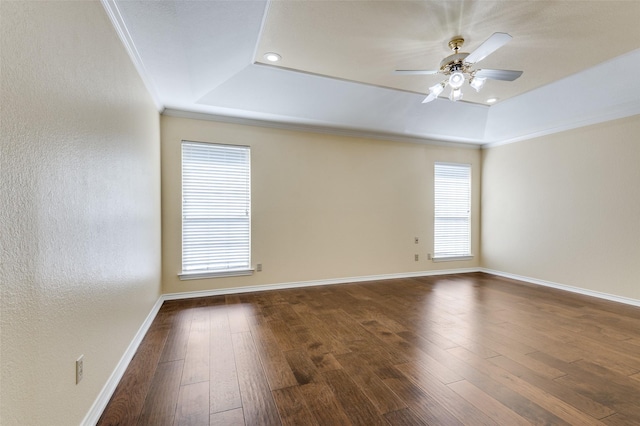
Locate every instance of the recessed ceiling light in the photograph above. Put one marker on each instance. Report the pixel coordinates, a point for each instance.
(272, 57)
(492, 100)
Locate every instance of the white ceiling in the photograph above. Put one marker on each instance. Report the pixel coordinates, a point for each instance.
(338, 57)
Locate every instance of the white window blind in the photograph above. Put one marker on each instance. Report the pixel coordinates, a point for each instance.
(216, 208)
(452, 229)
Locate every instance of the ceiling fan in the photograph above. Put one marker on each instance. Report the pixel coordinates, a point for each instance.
(459, 68)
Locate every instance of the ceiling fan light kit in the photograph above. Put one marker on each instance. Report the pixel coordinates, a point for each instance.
(477, 83)
(456, 80)
(434, 92)
(459, 68)
(455, 95)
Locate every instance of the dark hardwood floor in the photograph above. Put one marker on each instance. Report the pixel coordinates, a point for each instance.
(471, 349)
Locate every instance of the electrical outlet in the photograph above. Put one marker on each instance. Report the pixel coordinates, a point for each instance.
(79, 369)
(428, 256)
(259, 267)
(417, 240)
(416, 257)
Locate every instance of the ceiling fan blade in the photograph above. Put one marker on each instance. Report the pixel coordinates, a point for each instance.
(504, 75)
(490, 45)
(415, 72)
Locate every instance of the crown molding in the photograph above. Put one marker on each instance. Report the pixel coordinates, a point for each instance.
(311, 128)
(622, 112)
(118, 23)
(575, 101)
(609, 116)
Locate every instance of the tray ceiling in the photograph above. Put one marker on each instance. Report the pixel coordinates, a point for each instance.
(338, 58)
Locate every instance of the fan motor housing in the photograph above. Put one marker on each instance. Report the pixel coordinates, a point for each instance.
(453, 63)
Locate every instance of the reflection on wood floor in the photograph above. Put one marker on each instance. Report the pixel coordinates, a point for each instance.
(469, 349)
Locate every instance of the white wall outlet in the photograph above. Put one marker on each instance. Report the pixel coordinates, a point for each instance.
(416, 257)
(259, 267)
(428, 256)
(79, 369)
(416, 240)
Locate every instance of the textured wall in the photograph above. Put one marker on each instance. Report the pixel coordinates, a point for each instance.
(566, 208)
(323, 206)
(80, 207)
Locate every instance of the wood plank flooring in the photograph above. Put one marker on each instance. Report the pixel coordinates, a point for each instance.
(468, 349)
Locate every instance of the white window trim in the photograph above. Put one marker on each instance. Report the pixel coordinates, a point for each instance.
(184, 276)
(215, 273)
(451, 258)
(456, 257)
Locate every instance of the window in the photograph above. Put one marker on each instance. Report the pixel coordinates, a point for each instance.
(216, 210)
(452, 219)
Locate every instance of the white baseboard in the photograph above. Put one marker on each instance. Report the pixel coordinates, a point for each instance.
(299, 284)
(109, 388)
(572, 289)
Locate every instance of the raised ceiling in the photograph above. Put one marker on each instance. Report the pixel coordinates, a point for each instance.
(366, 41)
(338, 58)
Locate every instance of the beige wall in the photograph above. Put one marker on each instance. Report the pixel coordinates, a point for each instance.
(565, 208)
(324, 206)
(80, 197)
(79, 207)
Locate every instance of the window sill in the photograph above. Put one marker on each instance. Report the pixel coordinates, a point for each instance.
(452, 258)
(211, 274)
